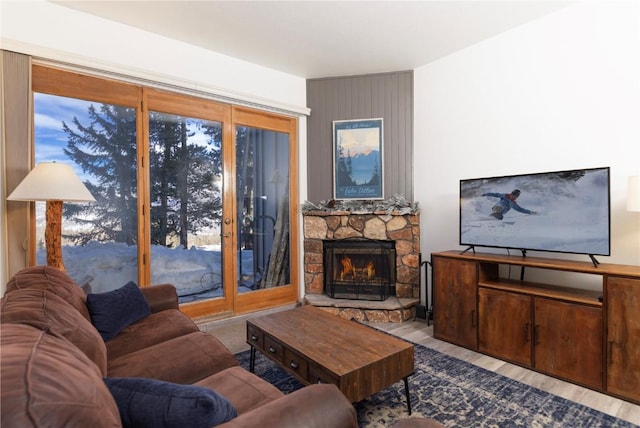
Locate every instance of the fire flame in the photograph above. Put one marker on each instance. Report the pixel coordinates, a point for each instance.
(347, 268)
(350, 270)
(371, 270)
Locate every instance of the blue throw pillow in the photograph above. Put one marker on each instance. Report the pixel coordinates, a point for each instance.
(154, 403)
(114, 310)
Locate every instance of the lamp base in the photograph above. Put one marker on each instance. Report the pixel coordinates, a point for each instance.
(53, 234)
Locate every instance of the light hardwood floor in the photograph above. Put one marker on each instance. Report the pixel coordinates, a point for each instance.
(232, 332)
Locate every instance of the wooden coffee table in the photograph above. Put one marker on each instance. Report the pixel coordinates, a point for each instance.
(318, 347)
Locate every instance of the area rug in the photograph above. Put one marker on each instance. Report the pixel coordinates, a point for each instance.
(457, 394)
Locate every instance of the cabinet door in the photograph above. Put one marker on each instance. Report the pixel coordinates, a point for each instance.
(623, 337)
(568, 341)
(504, 325)
(454, 301)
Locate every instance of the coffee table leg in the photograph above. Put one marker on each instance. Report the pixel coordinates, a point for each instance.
(406, 391)
(252, 359)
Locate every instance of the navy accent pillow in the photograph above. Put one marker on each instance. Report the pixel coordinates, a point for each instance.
(114, 310)
(154, 403)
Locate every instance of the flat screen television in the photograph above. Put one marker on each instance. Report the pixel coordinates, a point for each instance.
(560, 211)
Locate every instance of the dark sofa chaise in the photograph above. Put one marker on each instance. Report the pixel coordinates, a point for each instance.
(54, 362)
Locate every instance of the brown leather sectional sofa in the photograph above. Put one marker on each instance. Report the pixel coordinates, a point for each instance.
(54, 362)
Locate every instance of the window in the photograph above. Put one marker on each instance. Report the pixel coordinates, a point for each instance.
(99, 141)
(185, 162)
(262, 158)
(189, 191)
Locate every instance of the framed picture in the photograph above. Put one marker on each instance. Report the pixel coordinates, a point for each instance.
(357, 159)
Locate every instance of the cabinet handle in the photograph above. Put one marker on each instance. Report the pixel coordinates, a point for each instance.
(536, 335)
(293, 365)
(526, 332)
(272, 350)
(254, 337)
(473, 318)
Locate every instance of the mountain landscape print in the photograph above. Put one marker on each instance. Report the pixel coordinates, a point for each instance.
(357, 165)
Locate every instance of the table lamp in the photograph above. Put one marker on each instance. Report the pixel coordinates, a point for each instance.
(54, 183)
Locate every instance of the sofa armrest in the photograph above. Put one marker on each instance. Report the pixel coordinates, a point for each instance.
(316, 405)
(161, 297)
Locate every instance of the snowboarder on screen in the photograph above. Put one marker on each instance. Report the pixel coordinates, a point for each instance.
(506, 202)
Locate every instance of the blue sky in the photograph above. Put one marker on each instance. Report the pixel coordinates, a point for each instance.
(50, 140)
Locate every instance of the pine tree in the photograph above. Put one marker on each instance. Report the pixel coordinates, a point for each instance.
(182, 195)
(246, 139)
(183, 198)
(375, 176)
(106, 150)
(343, 168)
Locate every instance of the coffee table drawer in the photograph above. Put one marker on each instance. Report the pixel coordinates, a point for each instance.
(255, 337)
(295, 363)
(318, 374)
(273, 348)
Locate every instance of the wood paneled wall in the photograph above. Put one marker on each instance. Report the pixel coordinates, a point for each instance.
(387, 95)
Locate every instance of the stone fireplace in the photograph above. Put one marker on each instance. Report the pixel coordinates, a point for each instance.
(396, 230)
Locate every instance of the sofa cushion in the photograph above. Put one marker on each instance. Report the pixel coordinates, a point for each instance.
(243, 389)
(152, 403)
(48, 382)
(156, 328)
(54, 280)
(315, 405)
(185, 359)
(46, 311)
(114, 310)
(161, 297)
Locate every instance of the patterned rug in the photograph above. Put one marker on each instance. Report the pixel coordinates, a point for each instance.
(457, 394)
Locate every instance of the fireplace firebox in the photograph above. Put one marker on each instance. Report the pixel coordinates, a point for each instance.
(359, 269)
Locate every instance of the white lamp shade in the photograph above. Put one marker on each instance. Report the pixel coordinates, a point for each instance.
(633, 194)
(51, 181)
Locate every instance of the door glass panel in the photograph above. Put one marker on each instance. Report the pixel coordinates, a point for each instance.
(262, 176)
(186, 205)
(99, 240)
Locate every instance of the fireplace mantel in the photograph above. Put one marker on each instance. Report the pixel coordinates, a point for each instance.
(403, 229)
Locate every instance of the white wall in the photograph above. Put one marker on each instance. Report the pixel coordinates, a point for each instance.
(561, 92)
(46, 29)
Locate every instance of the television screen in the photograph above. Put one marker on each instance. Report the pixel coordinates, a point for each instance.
(562, 211)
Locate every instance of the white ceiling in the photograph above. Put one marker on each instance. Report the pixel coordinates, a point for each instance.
(314, 39)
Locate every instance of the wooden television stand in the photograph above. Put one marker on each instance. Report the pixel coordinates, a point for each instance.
(587, 337)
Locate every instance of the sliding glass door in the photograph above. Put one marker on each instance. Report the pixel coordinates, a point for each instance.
(185, 183)
(262, 192)
(96, 133)
(189, 191)
(265, 249)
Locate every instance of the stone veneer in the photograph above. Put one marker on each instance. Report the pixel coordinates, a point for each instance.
(404, 229)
